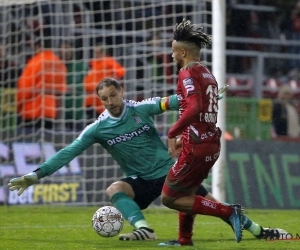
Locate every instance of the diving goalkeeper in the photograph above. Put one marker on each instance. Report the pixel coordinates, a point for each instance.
(127, 131)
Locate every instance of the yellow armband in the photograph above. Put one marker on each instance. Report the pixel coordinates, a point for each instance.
(164, 104)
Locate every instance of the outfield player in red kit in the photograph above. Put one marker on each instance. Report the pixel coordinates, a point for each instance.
(197, 90)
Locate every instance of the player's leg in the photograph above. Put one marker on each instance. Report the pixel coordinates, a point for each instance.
(130, 196)
(205, 207)
(186, 175)
(248, 224)
(179, 189)
(254, 228)
(186, 221)
(121, 196)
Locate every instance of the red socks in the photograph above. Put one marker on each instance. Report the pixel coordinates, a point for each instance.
(201, 206)
(186, 223)
(208, 207)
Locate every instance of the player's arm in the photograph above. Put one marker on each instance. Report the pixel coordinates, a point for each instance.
(178, 143)
(57, 161)
(193, 109)
(194, 106)
(61, 158)
(158, 105)
(169, 103)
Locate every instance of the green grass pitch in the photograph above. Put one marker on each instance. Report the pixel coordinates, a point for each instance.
(61, 227)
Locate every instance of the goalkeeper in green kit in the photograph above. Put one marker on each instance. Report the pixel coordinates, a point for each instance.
(127, 131)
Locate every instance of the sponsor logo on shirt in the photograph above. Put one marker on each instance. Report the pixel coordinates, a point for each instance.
(188, 81)
(207, 75)
(128, 136)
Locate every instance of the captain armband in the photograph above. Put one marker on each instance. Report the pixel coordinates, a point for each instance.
(164, 103)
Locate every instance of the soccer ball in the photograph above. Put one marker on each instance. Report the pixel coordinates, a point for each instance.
(108, 221)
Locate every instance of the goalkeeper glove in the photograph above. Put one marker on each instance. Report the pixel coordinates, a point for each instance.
(221, 91)
(23, 182)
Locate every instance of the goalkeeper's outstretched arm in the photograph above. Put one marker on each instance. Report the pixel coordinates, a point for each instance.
(23, 182)
(57, 161)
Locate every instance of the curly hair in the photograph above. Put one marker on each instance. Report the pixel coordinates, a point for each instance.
(186, 32)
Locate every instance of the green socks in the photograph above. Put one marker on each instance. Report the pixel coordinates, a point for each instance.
(141, 223)
(251, 226)
(248, 224)
(129, 209)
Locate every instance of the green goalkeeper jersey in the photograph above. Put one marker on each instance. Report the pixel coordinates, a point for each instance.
(131, 139)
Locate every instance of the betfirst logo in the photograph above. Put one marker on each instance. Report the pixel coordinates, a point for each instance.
(62, 192)
(128, 136)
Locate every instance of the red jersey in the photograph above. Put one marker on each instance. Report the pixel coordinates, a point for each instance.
(197, 91)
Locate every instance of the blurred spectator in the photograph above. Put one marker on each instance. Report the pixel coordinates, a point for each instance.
(135, 15)
(254, 22)
(102, 14)
(176, 12)
(160, 62)
(9, 73)
(77, 69)
(285, 117)
(156, 59)
(237, 25)
(101, 66)
(161, 70)
(39, 17)
(40, 87)
(291, 31)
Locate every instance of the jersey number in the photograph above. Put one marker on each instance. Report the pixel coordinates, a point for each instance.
(212, 92)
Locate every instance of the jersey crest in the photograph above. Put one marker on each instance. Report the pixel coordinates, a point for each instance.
(136, 118)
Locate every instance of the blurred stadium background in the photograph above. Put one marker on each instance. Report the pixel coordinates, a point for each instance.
(260, 57)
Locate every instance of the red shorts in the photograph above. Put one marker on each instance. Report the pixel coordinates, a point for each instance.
(191, 168)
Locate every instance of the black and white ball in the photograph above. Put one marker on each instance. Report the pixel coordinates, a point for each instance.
(107, 221)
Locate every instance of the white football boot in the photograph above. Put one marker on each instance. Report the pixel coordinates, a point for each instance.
(139, 234)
